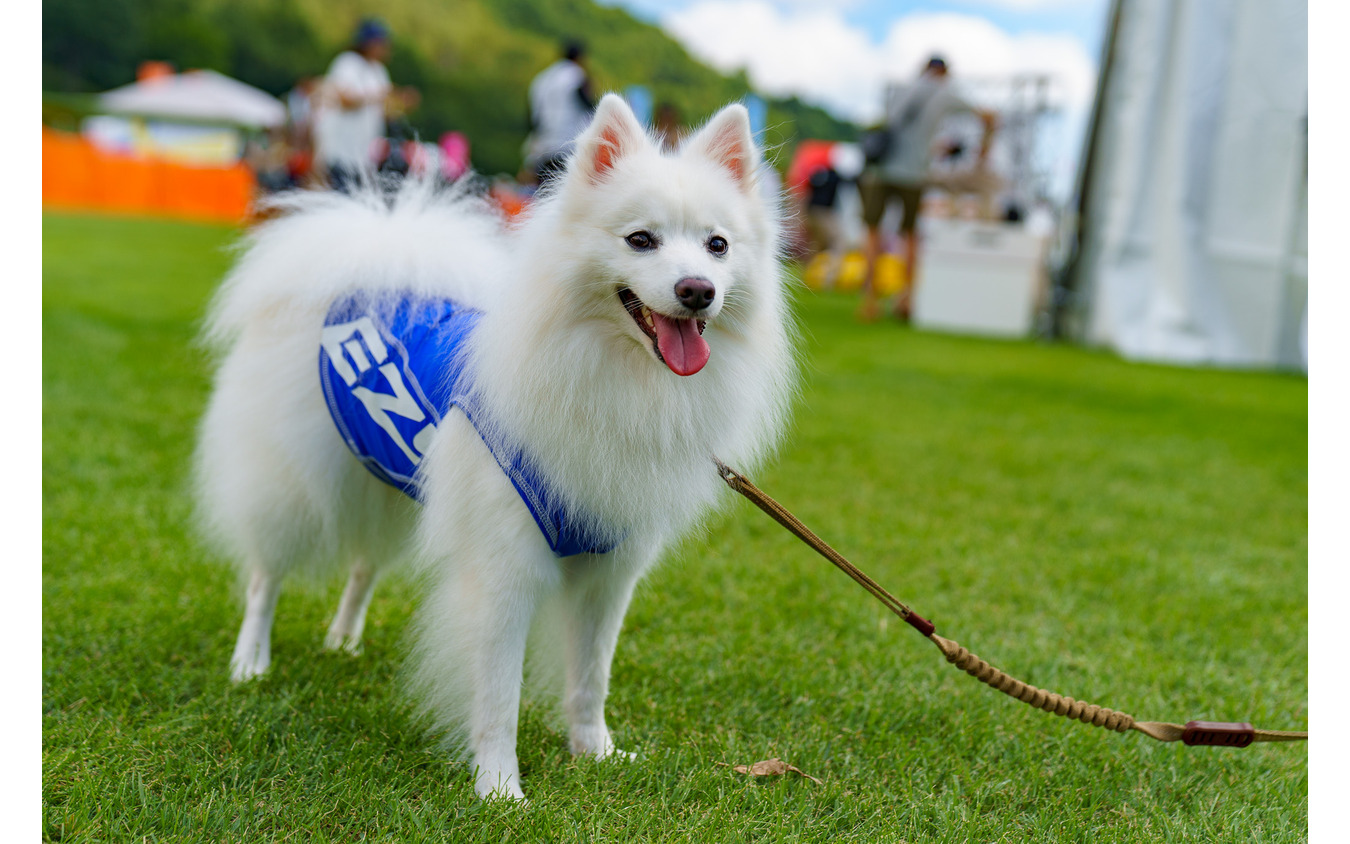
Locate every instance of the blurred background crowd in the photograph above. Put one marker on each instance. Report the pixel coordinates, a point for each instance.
(947, 207)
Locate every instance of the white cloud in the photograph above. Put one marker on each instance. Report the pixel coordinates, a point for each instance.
(813, 52)
(1027, 5)
(982, 55)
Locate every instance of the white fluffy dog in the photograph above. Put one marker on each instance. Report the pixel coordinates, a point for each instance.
(631, 328)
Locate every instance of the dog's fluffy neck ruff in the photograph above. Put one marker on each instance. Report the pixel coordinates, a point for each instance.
(649, 434)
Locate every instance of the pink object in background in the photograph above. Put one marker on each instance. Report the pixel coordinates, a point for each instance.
(454, 155)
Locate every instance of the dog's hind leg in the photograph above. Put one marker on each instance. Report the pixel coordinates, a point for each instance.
(253, 649)
(596, 592)
(345, 631)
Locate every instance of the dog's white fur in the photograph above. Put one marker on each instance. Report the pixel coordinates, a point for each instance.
(564, 370)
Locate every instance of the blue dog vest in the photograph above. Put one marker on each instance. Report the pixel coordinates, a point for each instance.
(391, 369)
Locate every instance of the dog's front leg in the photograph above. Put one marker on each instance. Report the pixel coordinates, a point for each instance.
(506, 594)
(596, 591)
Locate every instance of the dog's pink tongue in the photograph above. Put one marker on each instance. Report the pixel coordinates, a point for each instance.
(682, 348)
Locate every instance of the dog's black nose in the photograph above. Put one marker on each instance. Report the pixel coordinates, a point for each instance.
(695, 293)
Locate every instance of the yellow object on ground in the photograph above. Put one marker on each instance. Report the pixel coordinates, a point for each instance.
(851, 271)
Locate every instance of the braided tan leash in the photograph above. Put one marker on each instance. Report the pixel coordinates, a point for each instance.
(1193, 733)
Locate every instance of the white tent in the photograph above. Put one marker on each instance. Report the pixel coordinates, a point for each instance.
(1194, 232)
(197, 96)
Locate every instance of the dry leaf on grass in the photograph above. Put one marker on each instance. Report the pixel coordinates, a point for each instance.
(770, 768)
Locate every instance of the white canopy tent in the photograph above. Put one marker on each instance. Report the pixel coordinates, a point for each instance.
(1194, 233)
(197, 96)
(197, 117)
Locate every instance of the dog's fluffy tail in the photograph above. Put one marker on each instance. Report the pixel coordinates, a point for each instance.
(418, 236)
(275, 487)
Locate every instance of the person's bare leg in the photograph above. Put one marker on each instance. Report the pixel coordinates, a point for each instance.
(867, 311)
(904, 304)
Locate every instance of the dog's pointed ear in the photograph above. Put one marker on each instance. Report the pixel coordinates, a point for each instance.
(614, 132)
(727, 141)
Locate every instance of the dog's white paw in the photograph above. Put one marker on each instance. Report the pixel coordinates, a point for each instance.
(251, 659)
(338, 641)
(597, 742)
(243, 670)
(496, 785)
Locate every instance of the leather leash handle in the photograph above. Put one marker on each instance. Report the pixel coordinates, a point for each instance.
(1193, 733)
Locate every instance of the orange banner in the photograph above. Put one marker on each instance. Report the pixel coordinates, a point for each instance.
(77, 175)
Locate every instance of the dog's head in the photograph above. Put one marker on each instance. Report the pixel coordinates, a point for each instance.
(677, 241)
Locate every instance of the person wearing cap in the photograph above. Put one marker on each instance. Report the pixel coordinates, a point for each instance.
(349, 113)
(561, 105)
(913, 116)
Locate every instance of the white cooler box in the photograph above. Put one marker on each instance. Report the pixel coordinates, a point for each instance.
(979, 277)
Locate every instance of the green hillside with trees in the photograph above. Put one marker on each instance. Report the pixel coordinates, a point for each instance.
(471, 59)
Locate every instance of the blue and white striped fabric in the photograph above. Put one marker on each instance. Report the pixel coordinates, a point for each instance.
(391, 368)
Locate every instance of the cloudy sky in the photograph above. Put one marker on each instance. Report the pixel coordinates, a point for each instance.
(841, 54)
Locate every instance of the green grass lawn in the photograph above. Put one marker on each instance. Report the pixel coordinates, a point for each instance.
(1131, 535)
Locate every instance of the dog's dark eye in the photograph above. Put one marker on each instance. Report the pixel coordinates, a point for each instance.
(642, 241)
(717, 245)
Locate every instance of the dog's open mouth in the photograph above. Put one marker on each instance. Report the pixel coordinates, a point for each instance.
(677, 341)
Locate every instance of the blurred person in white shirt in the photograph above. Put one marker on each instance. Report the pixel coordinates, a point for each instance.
(353, 100)
(561, 104)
